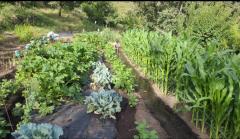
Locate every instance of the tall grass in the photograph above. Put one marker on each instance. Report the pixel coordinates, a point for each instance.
(26, 32)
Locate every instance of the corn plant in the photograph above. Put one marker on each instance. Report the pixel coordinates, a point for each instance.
(210, 91)
(161, 57)
(206, 80)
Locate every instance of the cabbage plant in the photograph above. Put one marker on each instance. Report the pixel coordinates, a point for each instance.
(104, 102)
(38, 131)
(101, 75)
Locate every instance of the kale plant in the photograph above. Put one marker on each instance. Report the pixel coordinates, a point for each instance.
(38, 131)
(105, 102)
(101, 75)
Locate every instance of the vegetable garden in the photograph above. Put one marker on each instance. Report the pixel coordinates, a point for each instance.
(176, 74)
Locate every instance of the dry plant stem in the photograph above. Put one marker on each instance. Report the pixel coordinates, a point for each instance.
(8, 117)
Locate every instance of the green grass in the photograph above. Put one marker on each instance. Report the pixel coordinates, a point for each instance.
(2, 37)
(25, 32)
(46, 19)
(69, 21)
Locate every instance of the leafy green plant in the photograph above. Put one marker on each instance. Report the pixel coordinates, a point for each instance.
(211, 91)
(143, 131)
(7, 88)
(37, 131)
(122, 76)
(104, 102)
(17, 110)
(101, 75)
(3, 127)
(133, 101)
(52, 73)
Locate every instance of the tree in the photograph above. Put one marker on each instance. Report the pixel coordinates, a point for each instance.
(60, 8)
(102, 12)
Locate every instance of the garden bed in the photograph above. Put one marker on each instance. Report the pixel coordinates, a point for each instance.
(77, 122)
(176, 124)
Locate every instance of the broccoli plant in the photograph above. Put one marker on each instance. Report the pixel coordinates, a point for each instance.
(38, 131)
(101, 75)
(105, 102)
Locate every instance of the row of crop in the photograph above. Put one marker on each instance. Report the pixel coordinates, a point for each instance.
(122, 76)
(49, 74)
(105, 101)
(52, 74)
(206, 80)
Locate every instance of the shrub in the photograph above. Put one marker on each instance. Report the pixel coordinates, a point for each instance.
(209, 21)
(11, 15)
(162, 16)
(7, 16)
(132, 20)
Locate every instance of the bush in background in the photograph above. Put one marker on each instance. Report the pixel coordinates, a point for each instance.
(209, 21)
(162, 16)
(101, 12)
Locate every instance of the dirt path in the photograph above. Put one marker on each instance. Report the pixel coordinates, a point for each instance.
(10, 43)
(143, 114)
